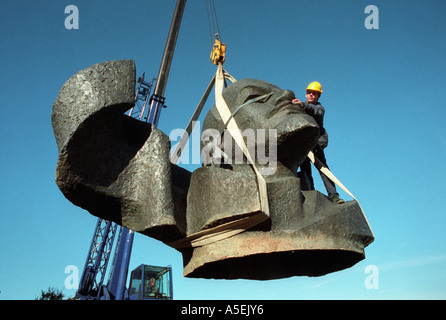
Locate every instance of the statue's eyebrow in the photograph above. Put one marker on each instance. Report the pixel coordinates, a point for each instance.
(251, 92)
(256, 98)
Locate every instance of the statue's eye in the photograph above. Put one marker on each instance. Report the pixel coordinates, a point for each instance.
(251, 97)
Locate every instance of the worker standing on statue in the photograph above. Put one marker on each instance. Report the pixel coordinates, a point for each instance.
(313, 108)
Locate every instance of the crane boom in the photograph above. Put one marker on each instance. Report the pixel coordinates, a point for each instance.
(157, 100)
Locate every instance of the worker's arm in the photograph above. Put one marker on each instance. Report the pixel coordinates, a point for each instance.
(312, 109)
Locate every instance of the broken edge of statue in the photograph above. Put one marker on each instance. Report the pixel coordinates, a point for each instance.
(112, 165)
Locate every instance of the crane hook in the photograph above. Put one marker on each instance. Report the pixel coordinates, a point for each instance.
(218, 51)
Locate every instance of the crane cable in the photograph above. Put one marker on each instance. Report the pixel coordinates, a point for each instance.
(214, 29)
(218, 48)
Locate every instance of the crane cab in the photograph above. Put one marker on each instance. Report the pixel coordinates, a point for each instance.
(151, 283)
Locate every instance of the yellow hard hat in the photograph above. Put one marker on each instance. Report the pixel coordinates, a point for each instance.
(315, 86)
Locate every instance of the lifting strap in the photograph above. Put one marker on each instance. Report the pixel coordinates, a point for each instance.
(234, 227)
(320, 166)
(226, 116)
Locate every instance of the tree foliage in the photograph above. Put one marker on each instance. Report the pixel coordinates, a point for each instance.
(51, 294)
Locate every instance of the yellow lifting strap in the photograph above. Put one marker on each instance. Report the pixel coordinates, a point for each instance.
(218, 52)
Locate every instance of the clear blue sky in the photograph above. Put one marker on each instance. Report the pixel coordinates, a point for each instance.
(384, 94)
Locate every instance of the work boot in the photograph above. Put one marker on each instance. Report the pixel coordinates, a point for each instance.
(337, 200)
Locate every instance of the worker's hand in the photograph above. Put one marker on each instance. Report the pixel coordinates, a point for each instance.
(296, 101)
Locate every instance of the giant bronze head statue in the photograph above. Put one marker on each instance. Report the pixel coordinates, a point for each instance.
(118, 169)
